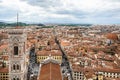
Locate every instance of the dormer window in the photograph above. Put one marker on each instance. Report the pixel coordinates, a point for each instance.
(15, 50)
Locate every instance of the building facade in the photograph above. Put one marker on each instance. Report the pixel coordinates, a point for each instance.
(17, 55)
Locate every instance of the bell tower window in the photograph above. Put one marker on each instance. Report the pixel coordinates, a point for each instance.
(15, 50)
(13, 78)
(14, 67)
(18, 67)
(17, 79)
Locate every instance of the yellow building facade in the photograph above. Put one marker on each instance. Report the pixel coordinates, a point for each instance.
(42, 58)
(4, 74)
(43, 55)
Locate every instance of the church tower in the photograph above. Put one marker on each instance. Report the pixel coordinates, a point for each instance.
(17, 54)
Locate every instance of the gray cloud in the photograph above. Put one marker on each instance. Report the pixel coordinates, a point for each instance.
(57, 6)
(108, 13)
(6, 13)
(50, 11)
(114, 0)
(44, 3)
(75, 13)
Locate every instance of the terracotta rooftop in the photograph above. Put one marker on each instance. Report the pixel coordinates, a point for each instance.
(66, 78)
(108, 70)
(4, 70)
(112, 36)
(107, 78)
(5, 57)
(65, 43)
(47, 53)
(50, 71)
(3, 46)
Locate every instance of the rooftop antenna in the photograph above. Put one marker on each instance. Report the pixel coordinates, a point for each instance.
(17, 19)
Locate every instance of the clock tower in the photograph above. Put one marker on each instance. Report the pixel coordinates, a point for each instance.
(17, 54)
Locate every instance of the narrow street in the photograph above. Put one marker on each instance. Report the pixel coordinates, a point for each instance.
(66, 69)
(33, 66)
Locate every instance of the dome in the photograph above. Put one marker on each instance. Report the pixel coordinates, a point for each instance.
(112, 36)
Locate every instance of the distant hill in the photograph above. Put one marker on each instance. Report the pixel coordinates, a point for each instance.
(4, 24)
(38, 24)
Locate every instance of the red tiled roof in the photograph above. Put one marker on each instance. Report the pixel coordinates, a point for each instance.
(3, 46)
(50, 71)
(5, 57)
(66, 78)
(112, 36)
(4, 70)
(108, 70)
(47, 53)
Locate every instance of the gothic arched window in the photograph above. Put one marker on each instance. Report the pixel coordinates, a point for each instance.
(14, 67)
(15, 50)
(14, 79)
(18, 67)
(17, 79)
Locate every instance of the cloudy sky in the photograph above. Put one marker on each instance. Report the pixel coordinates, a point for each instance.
(61, 11)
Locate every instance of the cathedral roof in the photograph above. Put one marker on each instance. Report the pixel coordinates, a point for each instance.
(50, 71)
(112, 36)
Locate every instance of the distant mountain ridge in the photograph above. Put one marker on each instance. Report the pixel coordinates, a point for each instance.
(13, 24)
(4, 24)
